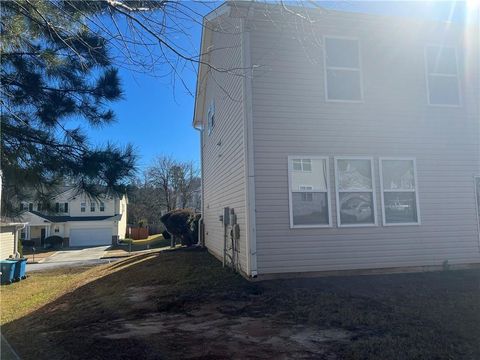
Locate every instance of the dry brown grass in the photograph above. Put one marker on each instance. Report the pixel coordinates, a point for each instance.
(182, 304)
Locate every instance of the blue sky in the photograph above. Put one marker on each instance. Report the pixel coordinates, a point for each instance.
(156, 118)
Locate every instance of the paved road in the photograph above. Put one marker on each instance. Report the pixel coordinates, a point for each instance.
(72, 257)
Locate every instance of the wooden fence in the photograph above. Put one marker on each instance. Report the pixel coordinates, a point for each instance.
(137, 233)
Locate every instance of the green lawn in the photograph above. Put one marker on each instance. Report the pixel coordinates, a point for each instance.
(183, 304)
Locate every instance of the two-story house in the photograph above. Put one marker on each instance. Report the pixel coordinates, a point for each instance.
(77, 218)
(343, 141)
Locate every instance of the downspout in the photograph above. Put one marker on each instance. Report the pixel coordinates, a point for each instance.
(249, 145)
(16, 238)
(201, 241)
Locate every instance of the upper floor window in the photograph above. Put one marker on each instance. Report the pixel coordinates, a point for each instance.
(355, 191)
(102, 206)
(92, 207)
(398, 181)
(61, 207)
(442, 76)
(83, 206)
(309, 192)
(343, 78)
(211, 117)
(24, 206)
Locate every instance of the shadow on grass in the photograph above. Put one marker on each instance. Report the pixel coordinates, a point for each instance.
(403, 316)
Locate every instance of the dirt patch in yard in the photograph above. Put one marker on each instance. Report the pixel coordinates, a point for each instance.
(183, 305)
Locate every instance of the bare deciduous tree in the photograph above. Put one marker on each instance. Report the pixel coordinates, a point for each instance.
(176, 180)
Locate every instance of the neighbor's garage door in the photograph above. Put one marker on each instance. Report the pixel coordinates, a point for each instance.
(90, 237)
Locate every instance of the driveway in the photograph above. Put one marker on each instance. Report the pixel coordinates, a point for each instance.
(72, 257)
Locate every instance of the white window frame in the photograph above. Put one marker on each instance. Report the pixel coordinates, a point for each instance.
(326, 68)
(303, 166)
(101, 207)
(380, 167)
(456, 76)
(83, 207)
(93, 206)
(290, 181)
(211, 115)
(373, 190)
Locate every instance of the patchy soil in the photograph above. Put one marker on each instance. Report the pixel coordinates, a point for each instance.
(183, 305)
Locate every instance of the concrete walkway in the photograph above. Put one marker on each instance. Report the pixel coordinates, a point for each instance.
(72, 257)
(7, 352)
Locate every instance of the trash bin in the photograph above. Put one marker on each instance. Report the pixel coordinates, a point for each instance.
(20, 269)
(8, 271)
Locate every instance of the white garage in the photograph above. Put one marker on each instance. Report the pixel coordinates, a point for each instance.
(91, 236)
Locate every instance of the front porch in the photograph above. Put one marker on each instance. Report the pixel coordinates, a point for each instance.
(36, 233)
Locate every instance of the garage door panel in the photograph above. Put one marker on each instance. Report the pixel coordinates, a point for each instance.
(90, 237)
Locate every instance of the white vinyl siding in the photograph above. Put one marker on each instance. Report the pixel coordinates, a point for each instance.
(289, 119)
(309, 204)
(223, 145)
(443, 88)
(398, 182)
(343, 75)
(355, 191)
(7, 241)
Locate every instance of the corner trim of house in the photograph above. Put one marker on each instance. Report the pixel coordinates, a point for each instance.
(251, 235)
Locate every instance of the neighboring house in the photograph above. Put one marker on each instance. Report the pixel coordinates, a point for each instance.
(349, 141)
(78, 219)
(9, 236)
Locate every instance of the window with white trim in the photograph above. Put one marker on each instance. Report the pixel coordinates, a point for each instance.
(92, 207)
(102, 206)
(211, 117)
(304, 165)
(309, 191)
(442, 76)
(343, 78)
(83, 205)
(355, 190)
(61, 207)
(399, 191)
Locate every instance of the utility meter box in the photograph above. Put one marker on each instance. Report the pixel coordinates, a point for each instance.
(236, 231)
(226, 216)
(233, 217)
